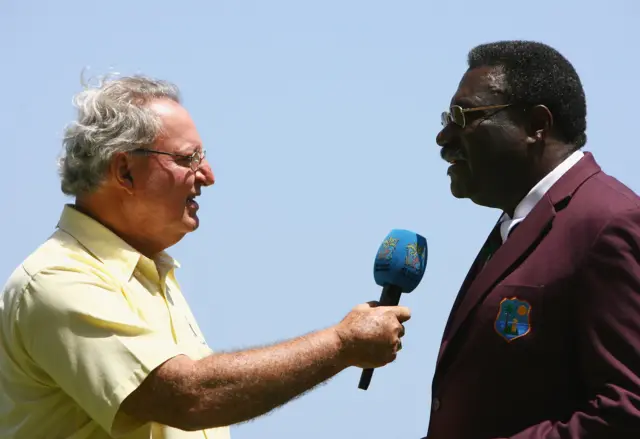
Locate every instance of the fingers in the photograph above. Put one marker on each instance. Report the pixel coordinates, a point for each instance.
(401, 331)
(398, 343)
(402, 313)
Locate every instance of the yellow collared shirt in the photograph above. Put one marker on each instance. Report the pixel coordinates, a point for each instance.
(83, 320)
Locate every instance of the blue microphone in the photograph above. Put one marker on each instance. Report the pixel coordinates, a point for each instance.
(398, 268)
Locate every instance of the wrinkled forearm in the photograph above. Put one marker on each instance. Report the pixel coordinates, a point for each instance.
(229, 388)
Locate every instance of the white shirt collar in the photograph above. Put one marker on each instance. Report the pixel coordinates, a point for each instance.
(536, 193)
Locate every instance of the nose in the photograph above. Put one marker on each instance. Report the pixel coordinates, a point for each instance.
(205, 174)
(442, 138)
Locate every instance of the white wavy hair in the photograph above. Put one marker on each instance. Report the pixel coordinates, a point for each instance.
(112, 117)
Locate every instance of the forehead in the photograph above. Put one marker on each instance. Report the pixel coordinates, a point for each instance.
(178, 131)
(479, 86)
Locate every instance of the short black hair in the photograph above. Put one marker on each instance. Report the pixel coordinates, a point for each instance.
(536, 74)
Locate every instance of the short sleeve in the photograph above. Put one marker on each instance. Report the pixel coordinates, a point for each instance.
(79, 328)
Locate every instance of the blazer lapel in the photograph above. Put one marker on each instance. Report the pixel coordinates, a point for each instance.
(505, 259)
(476, 267)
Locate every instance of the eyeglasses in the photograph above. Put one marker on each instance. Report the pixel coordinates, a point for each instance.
(195, 159)
(456, 114)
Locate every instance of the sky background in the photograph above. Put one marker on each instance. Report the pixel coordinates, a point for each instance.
(319, 119)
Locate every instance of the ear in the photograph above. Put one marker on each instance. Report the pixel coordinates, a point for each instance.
(120, 170)
(540, 124)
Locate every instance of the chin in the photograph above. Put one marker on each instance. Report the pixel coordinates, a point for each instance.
(191, 226)
(458, 194)
(458, 190)
(191, 223)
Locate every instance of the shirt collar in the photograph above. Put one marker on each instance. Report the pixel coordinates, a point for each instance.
(106, 246)
(536, 193)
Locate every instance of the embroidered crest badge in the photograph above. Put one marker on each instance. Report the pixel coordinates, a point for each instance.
(513, 319)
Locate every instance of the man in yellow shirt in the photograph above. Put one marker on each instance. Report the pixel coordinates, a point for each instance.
(96, 338)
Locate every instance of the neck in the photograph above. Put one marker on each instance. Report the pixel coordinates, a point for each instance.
(554, 155)
(110, 215)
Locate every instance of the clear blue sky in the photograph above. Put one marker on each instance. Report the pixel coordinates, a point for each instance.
(319, 119)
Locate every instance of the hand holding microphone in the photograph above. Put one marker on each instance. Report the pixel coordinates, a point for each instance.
(371, 334)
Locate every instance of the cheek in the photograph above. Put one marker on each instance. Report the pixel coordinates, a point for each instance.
(488, 143)
(168, 181)
(163, 192)
(172, 192)
(479, 151)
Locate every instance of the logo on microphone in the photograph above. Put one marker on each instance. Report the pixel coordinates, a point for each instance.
(385, 253)
(415, 256)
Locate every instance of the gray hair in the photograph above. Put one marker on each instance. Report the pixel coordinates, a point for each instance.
(112, 117)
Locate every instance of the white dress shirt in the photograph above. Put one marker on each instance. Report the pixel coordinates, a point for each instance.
(535, 194)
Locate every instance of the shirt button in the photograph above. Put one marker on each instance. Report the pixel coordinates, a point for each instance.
(435, 405)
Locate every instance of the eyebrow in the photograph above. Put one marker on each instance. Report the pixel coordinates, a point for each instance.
(190, 149)
(465, 103)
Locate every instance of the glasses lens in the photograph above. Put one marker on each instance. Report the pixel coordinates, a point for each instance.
(457, 115)
(196, 160)
(445, 118)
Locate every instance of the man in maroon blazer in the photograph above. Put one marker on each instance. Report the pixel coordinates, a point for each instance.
(543, 341)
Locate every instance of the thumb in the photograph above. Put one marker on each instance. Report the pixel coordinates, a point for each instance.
(366, 306)
(402, 313)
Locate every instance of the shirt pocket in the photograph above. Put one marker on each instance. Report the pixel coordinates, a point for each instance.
(190, 339)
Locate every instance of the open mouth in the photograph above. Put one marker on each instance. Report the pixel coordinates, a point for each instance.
(452, 155)
(191, 202)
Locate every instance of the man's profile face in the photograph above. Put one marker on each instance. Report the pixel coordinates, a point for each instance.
(483, 152)
(164, 185)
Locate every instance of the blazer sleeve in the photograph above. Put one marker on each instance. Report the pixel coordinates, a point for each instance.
(608, 306)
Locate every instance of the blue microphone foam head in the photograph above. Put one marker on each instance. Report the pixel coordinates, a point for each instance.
(401, 260)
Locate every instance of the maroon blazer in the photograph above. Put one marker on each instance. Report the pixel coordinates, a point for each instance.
(543, 342)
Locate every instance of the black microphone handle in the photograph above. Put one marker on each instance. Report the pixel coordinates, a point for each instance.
(390, 296)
